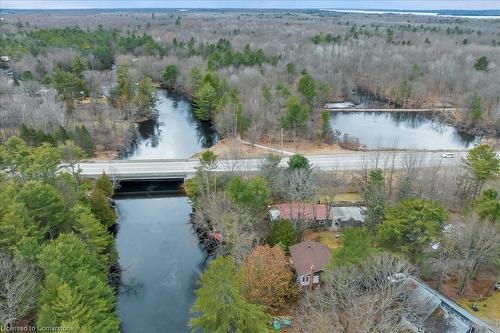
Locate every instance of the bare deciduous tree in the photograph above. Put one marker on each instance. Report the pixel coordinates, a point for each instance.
(18, 288)
(472, 244)
(296, 186)
(359, 298)
(237, 225)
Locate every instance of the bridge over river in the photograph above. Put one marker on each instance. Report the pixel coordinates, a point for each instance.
(156, 169)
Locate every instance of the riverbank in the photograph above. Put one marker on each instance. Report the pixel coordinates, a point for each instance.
(148, 131)
(237, 148)
(105, 155)
(485, 128)
(446, 111)
(234, 148)
(423, 110)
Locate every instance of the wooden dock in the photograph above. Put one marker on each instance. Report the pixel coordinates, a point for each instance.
(431, 110)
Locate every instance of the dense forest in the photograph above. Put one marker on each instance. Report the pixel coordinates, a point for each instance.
(250, 73)
(56, 251)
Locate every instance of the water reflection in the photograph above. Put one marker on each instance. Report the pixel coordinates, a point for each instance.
(400, 130)
(364, 99)
(150, 130)
(176, 133)
(161, 262)
(158, 249)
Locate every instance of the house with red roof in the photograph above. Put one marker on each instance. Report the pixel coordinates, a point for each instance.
(313, 214)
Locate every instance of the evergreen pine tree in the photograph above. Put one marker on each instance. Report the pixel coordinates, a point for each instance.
(220, 307)
(91, 231)
(84, 140)
(307, 87)
(44, 204)
(205, 101)
(375, 197)
(100, 207)
(105, 184)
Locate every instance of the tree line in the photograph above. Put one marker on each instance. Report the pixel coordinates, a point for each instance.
(55, 246)
(99, 44)
(222, 54)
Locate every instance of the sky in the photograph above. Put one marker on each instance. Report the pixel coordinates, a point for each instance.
(342, 4)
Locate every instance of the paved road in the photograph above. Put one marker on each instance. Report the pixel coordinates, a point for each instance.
(159, 169)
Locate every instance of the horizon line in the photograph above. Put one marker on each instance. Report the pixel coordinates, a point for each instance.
(259, 8)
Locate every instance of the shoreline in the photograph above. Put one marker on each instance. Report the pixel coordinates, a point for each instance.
(414, 110)
(240, 148)
(447, 115)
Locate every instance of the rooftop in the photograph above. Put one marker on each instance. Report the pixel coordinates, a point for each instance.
(345, 212)
(309, 254)
(297, 211)
(438, 313)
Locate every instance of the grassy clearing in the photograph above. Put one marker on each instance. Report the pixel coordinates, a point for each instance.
(325, 237)
(353, 197)
(489, 309)
(345, 197)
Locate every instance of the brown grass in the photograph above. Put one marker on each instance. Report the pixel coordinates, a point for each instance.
(307, 147)
(352, 197)
(326, 237)
(231, 148)
(478, 289)
(489, 308)
(104, 155)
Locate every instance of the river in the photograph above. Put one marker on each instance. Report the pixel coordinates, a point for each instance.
(176, 133)
(158, 249)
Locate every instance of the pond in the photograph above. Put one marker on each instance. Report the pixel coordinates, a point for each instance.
(158, 248)
(404, 130)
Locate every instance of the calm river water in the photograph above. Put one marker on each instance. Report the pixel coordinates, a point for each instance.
(400, 130)
(158, 249)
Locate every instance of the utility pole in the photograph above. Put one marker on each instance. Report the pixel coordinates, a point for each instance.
(235, 125)
(281, 141)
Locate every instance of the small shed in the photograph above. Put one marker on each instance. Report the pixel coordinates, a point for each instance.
(309, 259)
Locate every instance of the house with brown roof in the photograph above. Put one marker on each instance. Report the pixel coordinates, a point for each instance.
(309, 258)
(313, 214)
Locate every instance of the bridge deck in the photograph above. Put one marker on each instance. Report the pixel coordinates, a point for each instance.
(165, 169)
